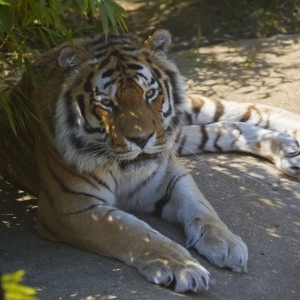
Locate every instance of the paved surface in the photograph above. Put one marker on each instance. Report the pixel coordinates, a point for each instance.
(255, 200)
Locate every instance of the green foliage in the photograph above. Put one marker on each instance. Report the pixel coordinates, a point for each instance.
(13, 290)
(28, 27)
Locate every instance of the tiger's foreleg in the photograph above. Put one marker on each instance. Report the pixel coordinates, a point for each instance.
(278, 147)
(183, 203)
(108, 231)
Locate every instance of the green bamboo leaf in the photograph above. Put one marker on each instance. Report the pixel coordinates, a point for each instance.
(42, 6)
(80, 4)
(85, 6)
(6, 17)
(47, 17)
(4, 2)
(52, 32)
(30, 71)
(20, 60)
(59, 6)
(117, 7)
(34, 9)
(111, 16)
(44, 37)
(104, 17)
(3, 102)
(5, 105)
(120, 17)
(93, 6)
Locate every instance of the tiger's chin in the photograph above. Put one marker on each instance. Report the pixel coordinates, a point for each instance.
(142, 161)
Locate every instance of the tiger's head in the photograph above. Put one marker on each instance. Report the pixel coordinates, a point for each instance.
(121, 102)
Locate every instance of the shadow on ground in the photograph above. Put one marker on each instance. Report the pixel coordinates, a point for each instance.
(253, 199)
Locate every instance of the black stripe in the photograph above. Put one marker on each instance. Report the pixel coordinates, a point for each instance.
(159, 205)
(219, 110)
(196, 110)
(107, 84)
(46, 191)
(157, 73)
(188, 118)
(82, 175)
(176, 121)
(101, 48)
(142, 184)
(104, 63)
(88, 85)
(152, 81)
(204, 138)
(67, 189)
(100, 54)
(72, 116)
(175, 91)
(84, 210)
(166, 114)
(181, 144)
(135, 67)
(91, 130)
(100, 181)
(77, 141)
(219, 148)
(80, 101)
(97, 40)
(108, 73)
(142, 75)
(126, 48)
(172, 284)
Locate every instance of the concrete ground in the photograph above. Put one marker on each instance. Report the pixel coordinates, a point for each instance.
(255, 200)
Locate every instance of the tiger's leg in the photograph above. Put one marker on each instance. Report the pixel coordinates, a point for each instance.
(183, 203)
(202, 111)
(280, 148)
(82, 214)
(111, 232)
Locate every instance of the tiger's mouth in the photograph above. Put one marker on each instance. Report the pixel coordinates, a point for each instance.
(139, 160)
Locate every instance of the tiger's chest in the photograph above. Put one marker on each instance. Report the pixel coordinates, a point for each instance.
(135, 191)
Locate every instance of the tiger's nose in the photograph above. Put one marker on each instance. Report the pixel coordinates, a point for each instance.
(140, 140)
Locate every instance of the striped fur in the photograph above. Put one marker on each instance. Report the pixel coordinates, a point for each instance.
(112, 115)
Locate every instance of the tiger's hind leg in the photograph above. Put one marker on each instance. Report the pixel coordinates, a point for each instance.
(230, 126)
(278, 147)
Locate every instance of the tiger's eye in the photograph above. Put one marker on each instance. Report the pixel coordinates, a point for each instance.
(150, 93)
(106, 102)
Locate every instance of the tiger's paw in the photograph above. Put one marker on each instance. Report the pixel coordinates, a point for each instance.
(219, 245)
(289, 156)
(180, 272)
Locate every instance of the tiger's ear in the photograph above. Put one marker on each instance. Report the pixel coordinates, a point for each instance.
(159, 40)
(70, 57)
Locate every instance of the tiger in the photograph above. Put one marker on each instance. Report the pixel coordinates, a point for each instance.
(112, 117)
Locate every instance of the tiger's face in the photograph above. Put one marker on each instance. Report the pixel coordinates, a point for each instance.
(122, 108)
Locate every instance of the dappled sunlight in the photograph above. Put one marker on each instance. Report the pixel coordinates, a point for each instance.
(18, 199)
(271, 231)
(222, 71)
(270, 203)
(245, 170)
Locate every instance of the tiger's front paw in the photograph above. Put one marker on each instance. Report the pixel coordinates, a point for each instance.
(218, 244)
(176, 269)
